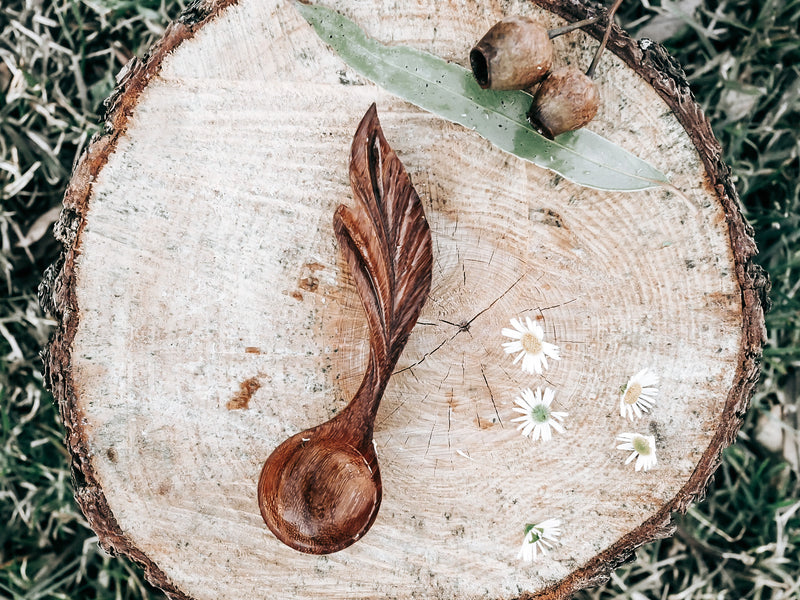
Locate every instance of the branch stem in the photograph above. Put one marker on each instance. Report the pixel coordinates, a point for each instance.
(554, 33)
(611, 11)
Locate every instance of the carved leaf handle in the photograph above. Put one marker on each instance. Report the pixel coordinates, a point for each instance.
(387, 243)
(320, 490)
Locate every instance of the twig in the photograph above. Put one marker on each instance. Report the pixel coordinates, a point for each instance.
(599, 53)
(554, 33)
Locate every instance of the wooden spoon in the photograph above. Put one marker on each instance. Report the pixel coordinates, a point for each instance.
(320, 490)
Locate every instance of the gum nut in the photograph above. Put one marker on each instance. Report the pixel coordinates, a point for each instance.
(566, 100)
(513, 55)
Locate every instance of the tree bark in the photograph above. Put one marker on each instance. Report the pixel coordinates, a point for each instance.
(205, 314)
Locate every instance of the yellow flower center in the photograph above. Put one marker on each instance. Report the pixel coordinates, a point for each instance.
(530, 343)
(632, 393)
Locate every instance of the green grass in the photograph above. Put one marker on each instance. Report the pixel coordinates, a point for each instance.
(58, 59)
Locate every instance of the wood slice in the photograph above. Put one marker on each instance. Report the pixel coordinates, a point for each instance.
(206, 314)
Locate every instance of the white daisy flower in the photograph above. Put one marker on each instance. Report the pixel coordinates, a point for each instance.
(639, 395)
(537, 418)
(643, 449)
(539, 538)
(529, 345)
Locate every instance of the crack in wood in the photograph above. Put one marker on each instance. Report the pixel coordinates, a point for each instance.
(463, 326)
(491, 397)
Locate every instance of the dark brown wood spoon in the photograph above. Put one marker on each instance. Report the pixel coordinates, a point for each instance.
(320, 490)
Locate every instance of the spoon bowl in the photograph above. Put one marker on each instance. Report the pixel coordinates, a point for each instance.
(319, 494)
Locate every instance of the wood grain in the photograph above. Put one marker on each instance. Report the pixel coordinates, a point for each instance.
(197, 229)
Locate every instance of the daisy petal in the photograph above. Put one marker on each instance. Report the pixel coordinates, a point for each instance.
(512, 333)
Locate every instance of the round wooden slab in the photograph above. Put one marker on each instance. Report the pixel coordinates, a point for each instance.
(206, 313)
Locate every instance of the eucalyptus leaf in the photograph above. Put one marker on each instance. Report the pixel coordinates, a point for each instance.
(450, 91)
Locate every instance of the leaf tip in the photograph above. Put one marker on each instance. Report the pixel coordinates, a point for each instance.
(369, 126)
(304, 7)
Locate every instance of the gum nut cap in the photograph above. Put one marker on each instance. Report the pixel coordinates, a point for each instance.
(566, 100)
(513, 55)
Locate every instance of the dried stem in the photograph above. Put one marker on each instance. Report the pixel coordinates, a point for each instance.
(554, 33)
(611, 11)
